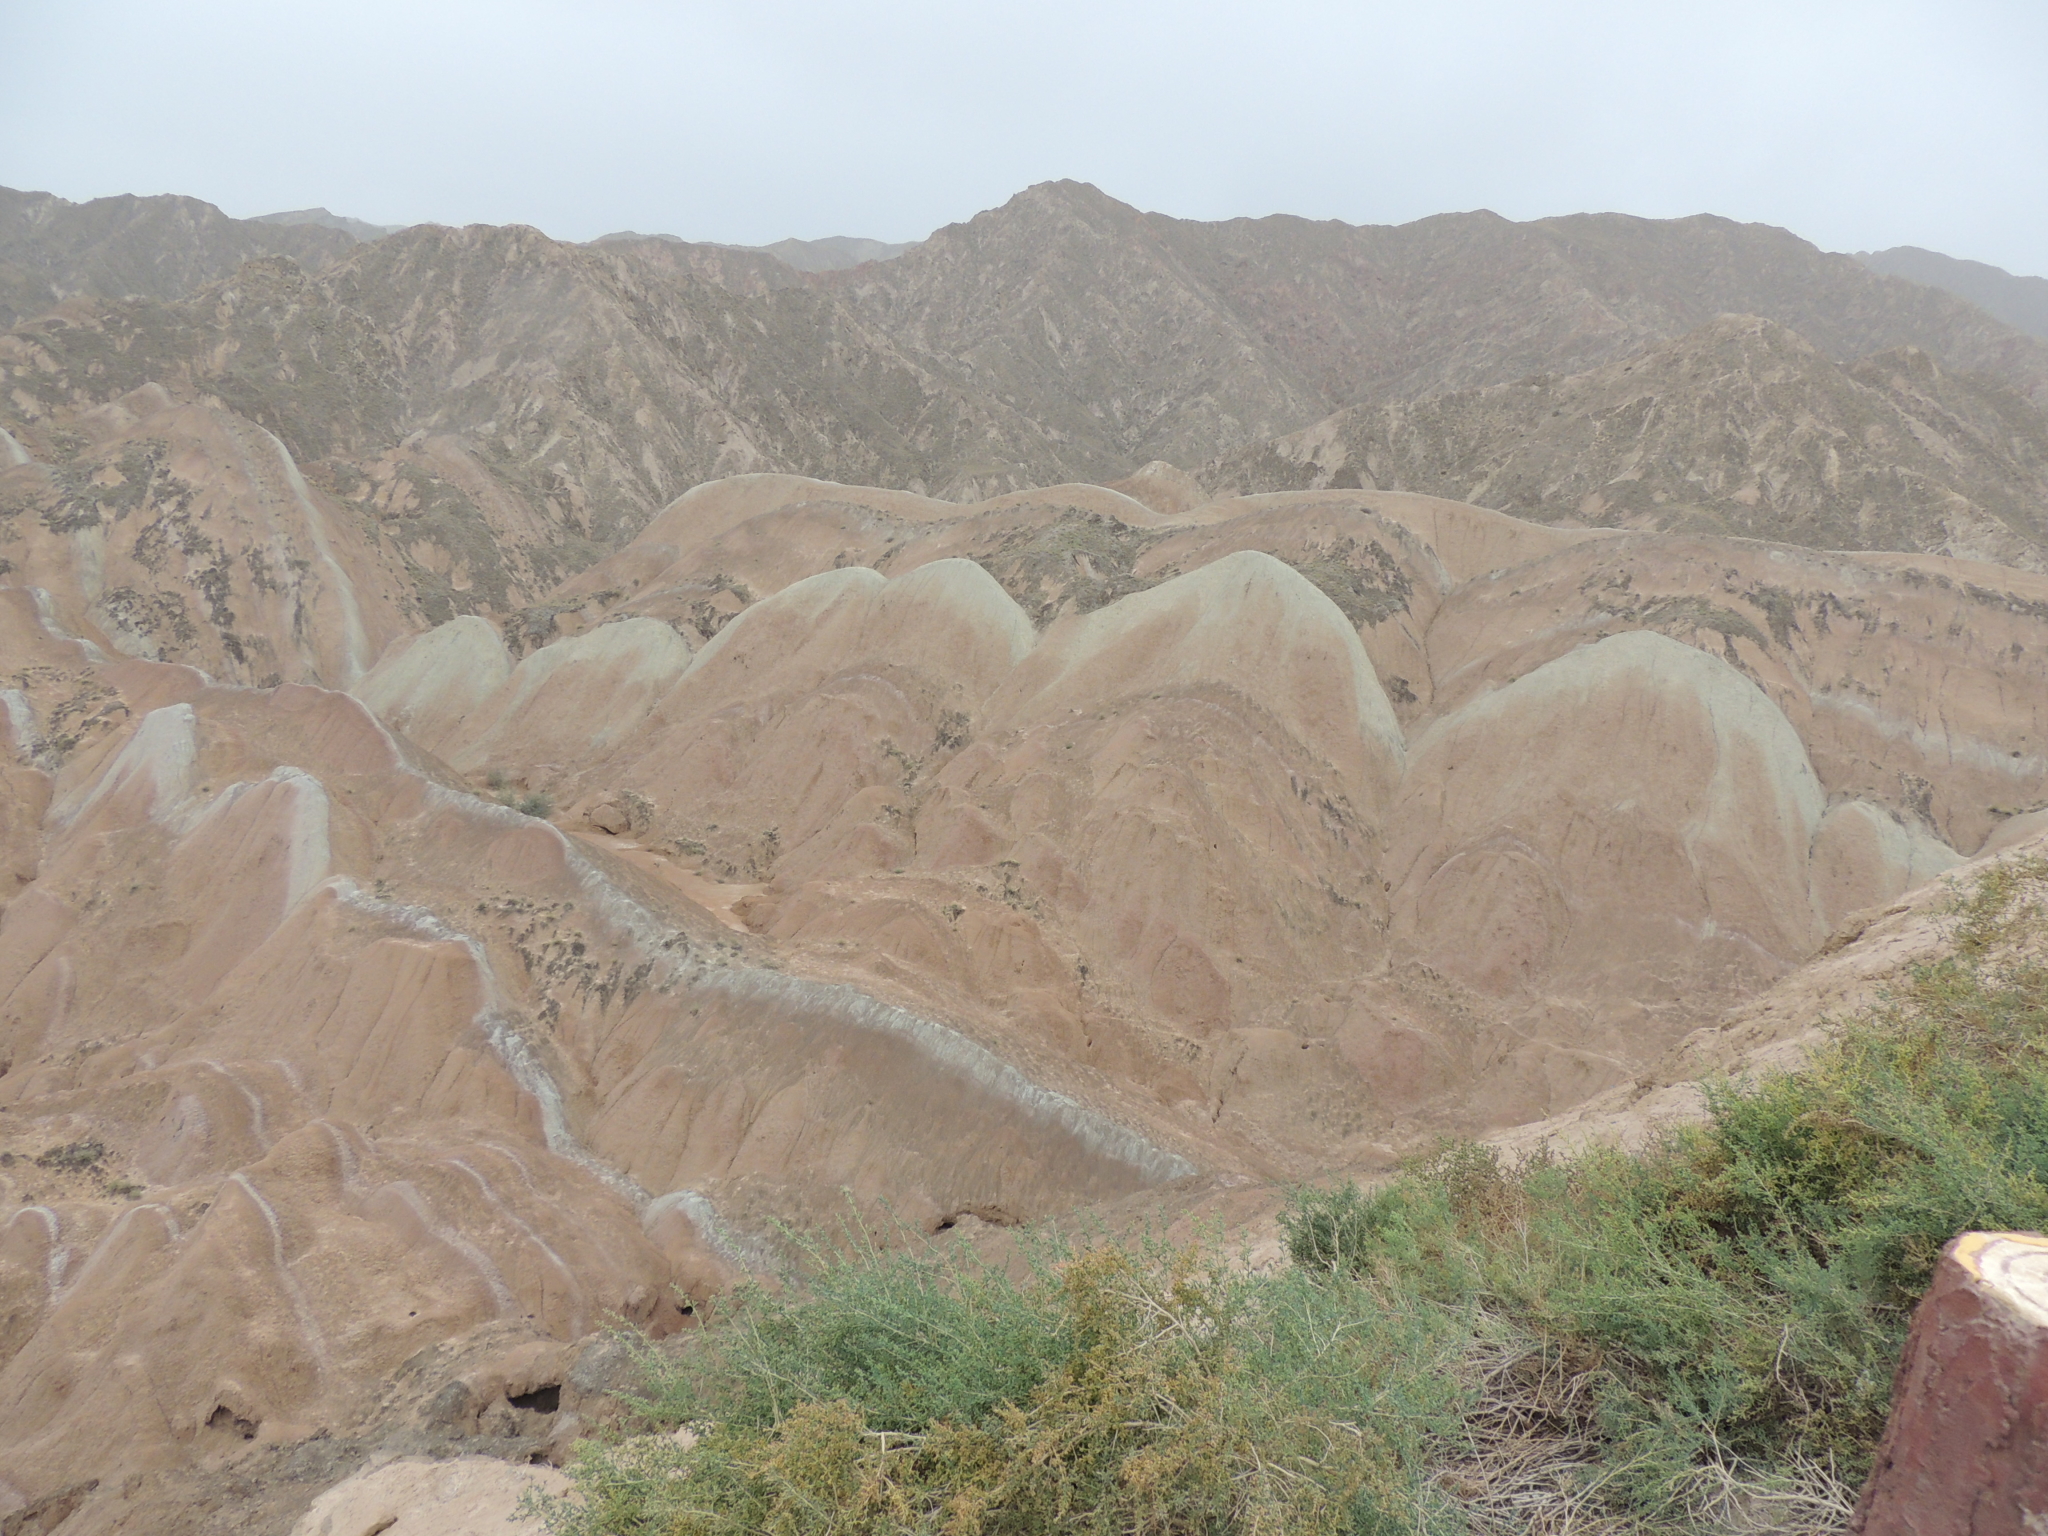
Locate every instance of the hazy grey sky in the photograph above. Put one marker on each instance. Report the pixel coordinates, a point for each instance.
(1858, 125)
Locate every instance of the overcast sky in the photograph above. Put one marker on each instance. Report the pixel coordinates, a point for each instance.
(1858, 125)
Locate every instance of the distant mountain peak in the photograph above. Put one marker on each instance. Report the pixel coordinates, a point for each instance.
(360, 228)
(834, 253)
(2021, 302)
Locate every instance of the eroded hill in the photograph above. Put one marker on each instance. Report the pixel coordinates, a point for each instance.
(985, 861)
(482, 841)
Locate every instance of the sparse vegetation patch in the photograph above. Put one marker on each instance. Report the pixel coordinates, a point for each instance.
(1111, 1391)
(72, 1157)
(1363, 580)
(1085, 556)
(1699, 1337)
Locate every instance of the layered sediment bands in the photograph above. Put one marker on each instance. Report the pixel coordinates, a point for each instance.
(1530, 848)
(354, 1062)
(283, 1290)
(1864, 855)
(1385, 578)
(1917, 683)
(24, 793)
(338, 1169)
(613, 675)
(1194, 779)
(993, 860)
(1603, 894)
(1245, 620)
(805, 716)
(681, 1065)
(685, 1103)
(427, 685)
(182, 532)
(1160, 804)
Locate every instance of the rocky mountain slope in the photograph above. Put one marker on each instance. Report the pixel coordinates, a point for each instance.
(362, 229)
(1141, 336)
(834, 253)
(1740, 427)
(157, 247)
(500, 408)
(1062, 336)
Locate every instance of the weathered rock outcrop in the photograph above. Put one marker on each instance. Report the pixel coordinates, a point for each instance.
(470, 1496)
(428, 685)
(1085, 831)
(187, 533)
(1531, 845)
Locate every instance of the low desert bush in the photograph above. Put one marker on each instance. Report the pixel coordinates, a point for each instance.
(532, 803)
(1699, 1336)
(1737, 1295)
(1113, 1391)
(72, 1157)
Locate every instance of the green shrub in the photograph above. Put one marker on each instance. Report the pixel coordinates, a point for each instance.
(1111, 1392)
(1697, 1337)
(1740, 1292)
(72, 1157)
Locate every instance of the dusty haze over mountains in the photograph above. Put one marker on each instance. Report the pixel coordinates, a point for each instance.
(2021, 302)
(528, 763)
(1862, 127)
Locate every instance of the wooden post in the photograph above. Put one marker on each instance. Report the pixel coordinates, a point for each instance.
(1966, 1451)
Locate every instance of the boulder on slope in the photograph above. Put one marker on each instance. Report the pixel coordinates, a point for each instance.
(413, 1496)
(1962, 1451)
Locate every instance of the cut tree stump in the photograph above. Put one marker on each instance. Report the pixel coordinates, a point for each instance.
(1966, 1451)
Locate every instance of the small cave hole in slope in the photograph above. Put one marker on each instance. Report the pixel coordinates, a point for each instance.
(225, 1418)
(994, 1216)
(546, 1399)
